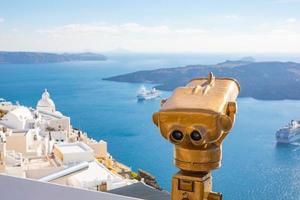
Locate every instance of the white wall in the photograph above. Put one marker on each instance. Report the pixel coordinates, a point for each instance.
(13, 188)
(100, 148)
(13, 122)
(60, 124)
(78, 157)
(58, 136)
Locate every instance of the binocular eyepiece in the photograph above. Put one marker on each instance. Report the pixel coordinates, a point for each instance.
(177, 136)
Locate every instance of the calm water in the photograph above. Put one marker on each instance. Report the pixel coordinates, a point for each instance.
(253, 166)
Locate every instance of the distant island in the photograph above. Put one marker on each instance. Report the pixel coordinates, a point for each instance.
(7, 57)
(260, 80)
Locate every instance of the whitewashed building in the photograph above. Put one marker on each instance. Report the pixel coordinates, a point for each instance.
(54, 124)
(41, 144)
(19, 118)
(46, 104)
(73, 152)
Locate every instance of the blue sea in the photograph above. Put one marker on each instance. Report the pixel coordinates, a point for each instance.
(253, 166)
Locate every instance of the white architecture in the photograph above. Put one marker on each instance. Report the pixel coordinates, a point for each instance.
(95, 175)
(45, 103)
(100, 148)
(54, 124)
(33, 132)
(41, 144)
(26, 189)
(19, 118)
(25, 142)
(2, 148)
(73, 152)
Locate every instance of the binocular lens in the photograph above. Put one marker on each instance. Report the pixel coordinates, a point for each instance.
(177, 135)
(195, 135)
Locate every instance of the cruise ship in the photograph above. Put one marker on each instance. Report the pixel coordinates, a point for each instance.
(289, 133)
(145, 94)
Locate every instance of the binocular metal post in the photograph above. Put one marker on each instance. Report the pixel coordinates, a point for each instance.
(196, 186)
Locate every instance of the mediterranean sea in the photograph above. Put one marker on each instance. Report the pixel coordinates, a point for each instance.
(253, 165)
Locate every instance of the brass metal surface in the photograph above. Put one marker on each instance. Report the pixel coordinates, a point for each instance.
(191, 186)
(214, 95)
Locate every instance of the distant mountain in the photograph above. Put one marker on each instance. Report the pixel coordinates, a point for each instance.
(37, 57)
(260, 80)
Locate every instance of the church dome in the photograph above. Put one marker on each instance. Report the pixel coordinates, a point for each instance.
(45, 103)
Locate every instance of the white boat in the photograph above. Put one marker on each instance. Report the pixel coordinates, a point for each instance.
(145, 94)
(289, 133)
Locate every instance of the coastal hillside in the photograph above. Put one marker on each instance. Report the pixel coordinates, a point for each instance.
(260, 80)
(38, 57)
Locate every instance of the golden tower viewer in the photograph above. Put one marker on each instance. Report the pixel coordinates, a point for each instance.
(196, 119)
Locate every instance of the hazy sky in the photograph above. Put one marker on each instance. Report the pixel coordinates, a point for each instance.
(152, 25)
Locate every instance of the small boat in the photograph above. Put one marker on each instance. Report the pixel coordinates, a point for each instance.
(289, 133)
(145, 94)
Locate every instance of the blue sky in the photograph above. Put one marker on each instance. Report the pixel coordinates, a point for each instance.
(151, 26)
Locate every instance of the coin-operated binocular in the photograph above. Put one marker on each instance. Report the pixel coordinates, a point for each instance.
(196, 119)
